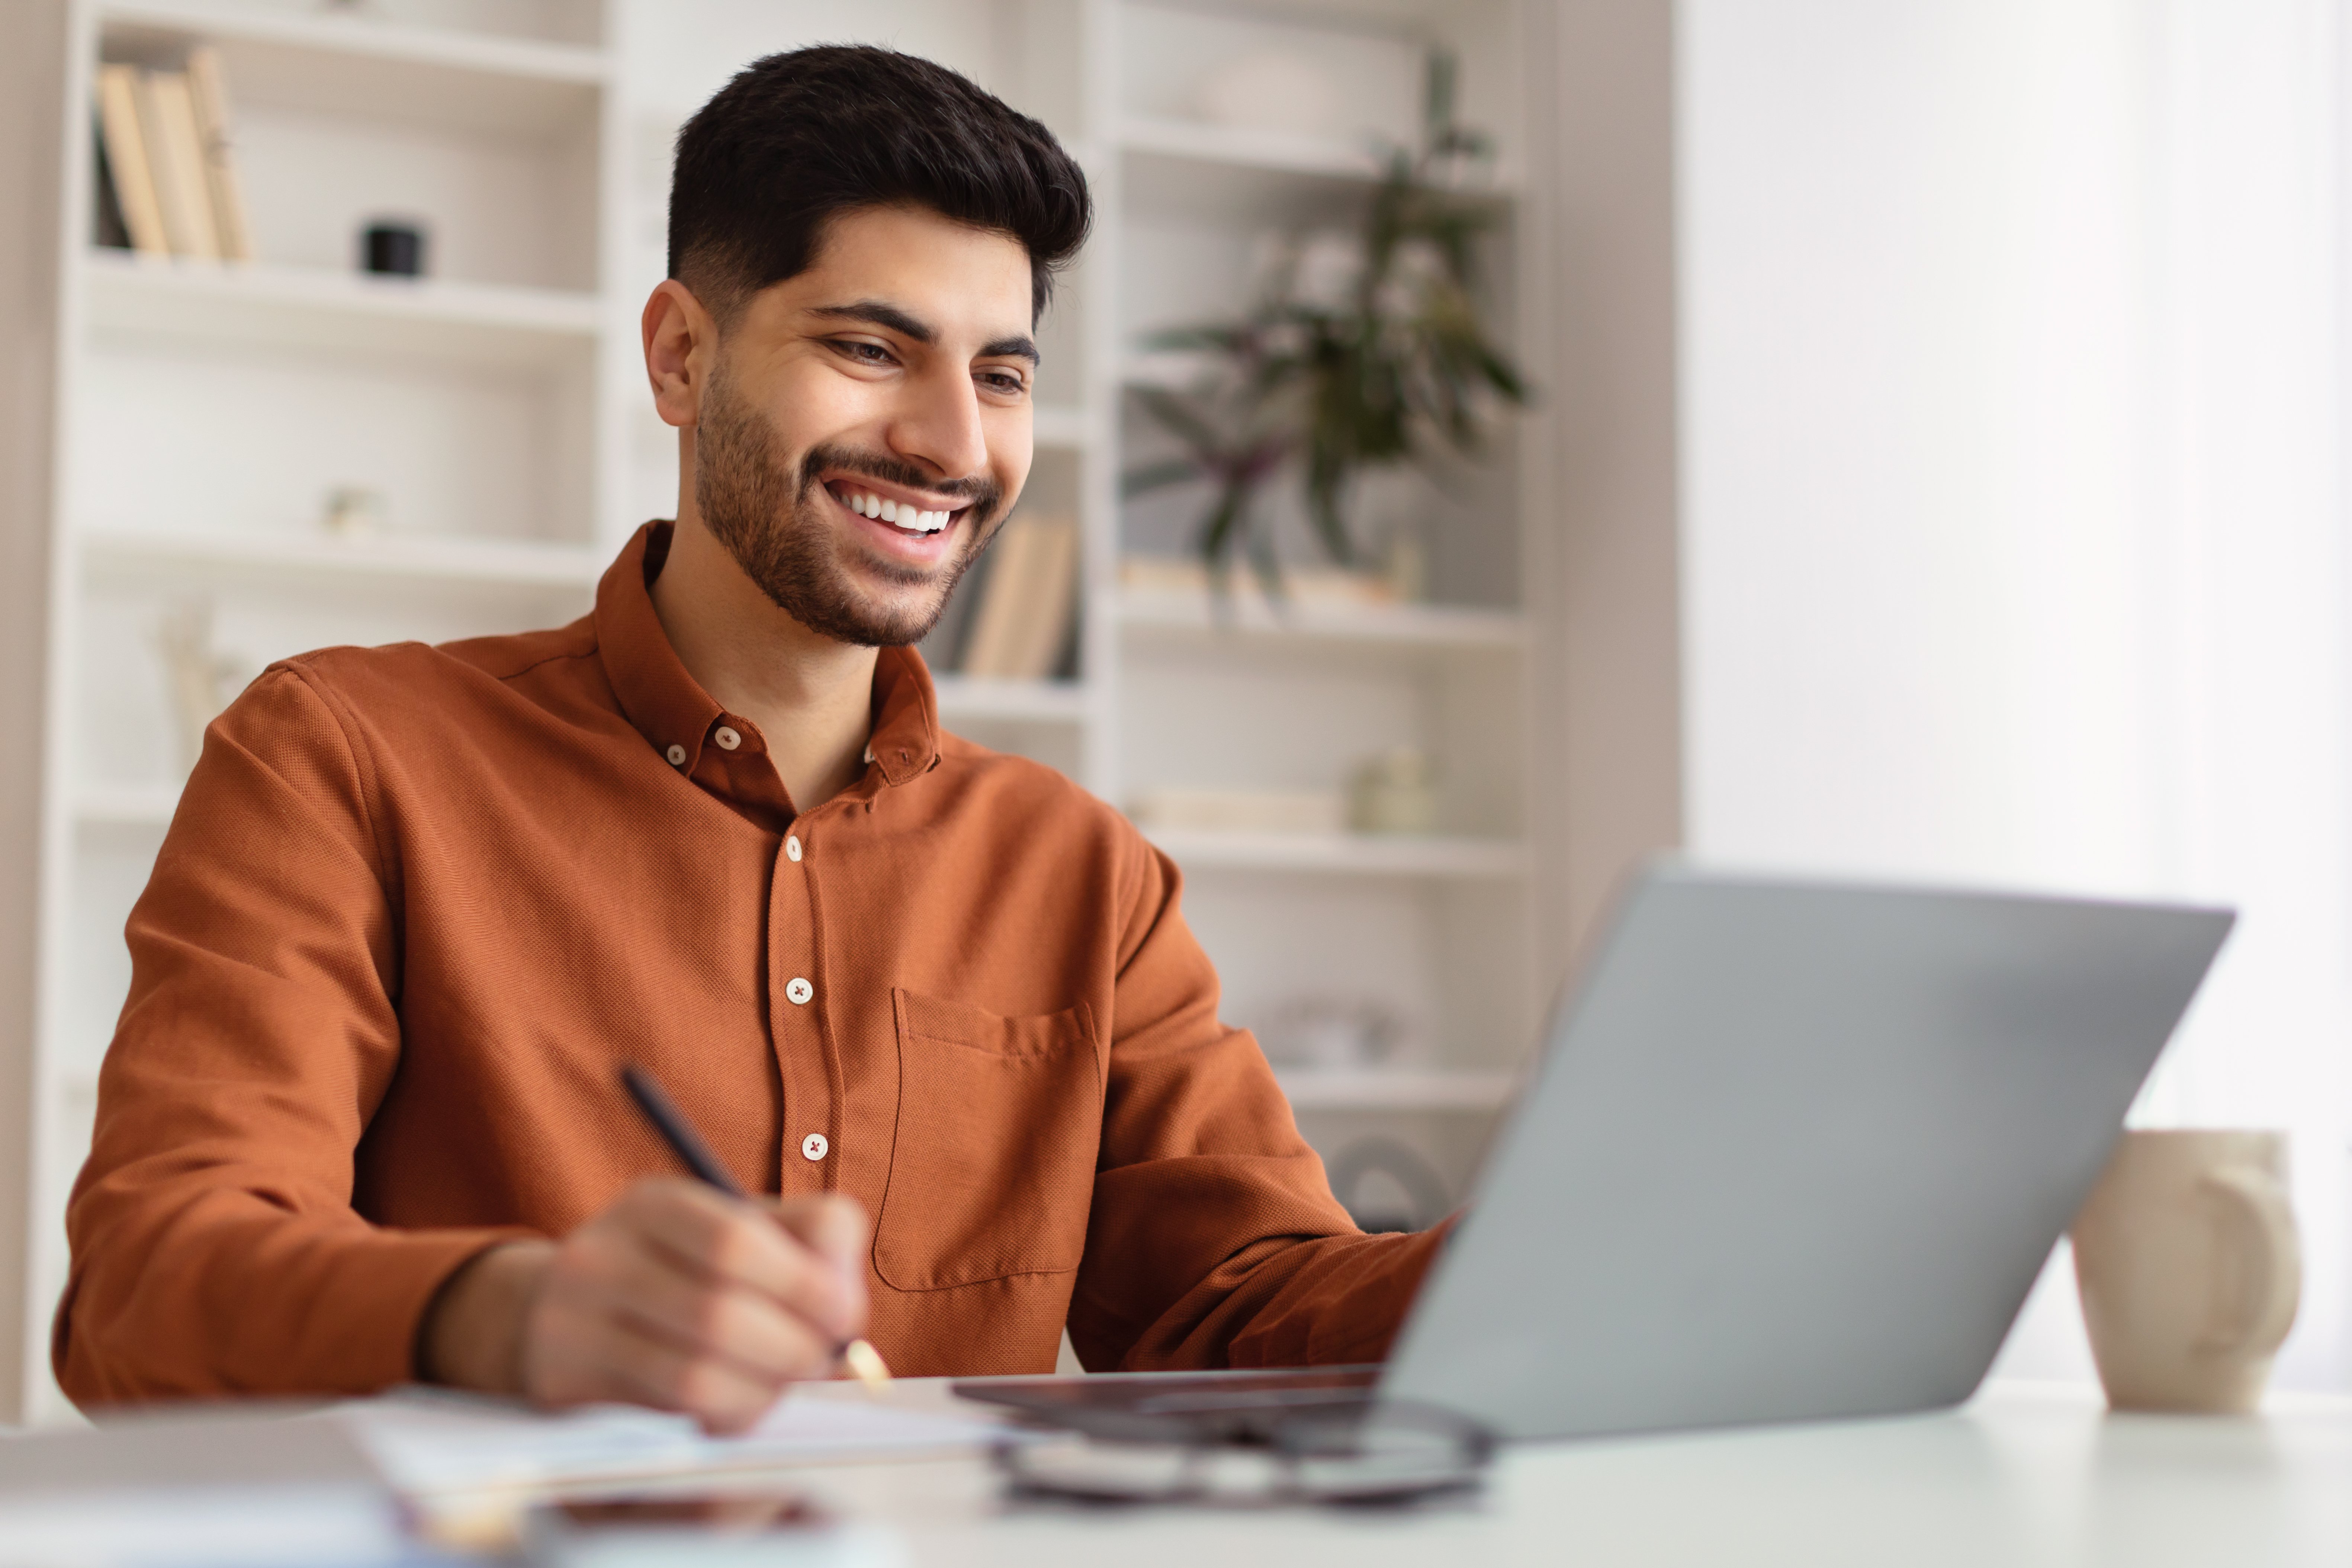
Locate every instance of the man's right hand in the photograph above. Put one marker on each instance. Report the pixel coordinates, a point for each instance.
(677, 1296)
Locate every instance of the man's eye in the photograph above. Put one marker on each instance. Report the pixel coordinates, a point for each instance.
(867, 354)
(1002, 381)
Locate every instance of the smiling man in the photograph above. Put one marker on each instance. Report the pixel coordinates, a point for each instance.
(361, 1122)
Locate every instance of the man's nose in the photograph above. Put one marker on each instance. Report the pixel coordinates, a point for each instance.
(939, 428)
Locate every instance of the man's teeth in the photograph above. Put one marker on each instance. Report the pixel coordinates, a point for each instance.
(905, 516)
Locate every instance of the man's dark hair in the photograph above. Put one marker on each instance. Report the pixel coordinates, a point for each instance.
(798, 137)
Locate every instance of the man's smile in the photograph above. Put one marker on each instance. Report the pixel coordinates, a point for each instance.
(909, 524)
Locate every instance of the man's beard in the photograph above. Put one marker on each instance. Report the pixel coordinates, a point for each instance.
(774, 522)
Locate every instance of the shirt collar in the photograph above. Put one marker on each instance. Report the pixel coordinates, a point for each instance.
(669, 708)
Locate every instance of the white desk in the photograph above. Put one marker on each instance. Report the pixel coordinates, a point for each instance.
(2019, 1476)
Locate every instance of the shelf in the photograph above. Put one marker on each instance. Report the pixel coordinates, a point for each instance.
(496, 563)
(1197, 617)
(1273, 152)
(1346, 854)
(1030, 701)
(254, 305)
(437, 78)
(1396, 1089)
(1219, 173)
(126, 806)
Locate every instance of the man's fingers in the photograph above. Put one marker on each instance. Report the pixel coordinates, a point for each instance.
(686, 1299)
(715, 1391)
(744, 1326)
(832, 1224)
(718, 1239)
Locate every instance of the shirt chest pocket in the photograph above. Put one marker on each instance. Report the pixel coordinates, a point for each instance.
(992, 1162)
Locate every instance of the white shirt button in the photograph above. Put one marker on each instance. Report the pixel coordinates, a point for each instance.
(728, 739)
(797, 991)
(791, 847)
(813, 1146)
(676, 756)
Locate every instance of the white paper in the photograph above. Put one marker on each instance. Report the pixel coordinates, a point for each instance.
(425, 1443)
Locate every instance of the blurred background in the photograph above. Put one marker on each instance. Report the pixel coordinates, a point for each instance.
(1902, 438)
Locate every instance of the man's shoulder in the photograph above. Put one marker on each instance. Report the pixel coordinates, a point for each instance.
(1017, 782)
(411, 669)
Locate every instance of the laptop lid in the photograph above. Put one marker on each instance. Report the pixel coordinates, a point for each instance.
(1794, 1150)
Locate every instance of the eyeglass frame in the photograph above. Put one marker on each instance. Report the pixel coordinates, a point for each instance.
(1290, 1443)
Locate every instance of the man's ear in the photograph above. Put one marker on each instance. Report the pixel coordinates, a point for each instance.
(681, 344)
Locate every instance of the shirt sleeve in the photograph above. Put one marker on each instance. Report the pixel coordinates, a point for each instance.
(1215, 1239)
(215, 1249)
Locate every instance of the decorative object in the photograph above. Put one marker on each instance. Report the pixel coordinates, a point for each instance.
(352, 510)
(394, 248)
(201, 680)
(2190, 1267)
(1364, 352)
(1270, 90)
(1395, 791)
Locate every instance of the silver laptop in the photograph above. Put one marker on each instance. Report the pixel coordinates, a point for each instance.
(1793, 1149)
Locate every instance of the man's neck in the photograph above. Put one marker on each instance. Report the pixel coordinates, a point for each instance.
(811, 697)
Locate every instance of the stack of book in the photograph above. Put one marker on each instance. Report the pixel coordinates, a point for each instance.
(1022, 623)
(167, 181)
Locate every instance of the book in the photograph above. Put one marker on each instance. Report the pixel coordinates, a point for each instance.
(1023, 619)
(126, 159)
(167, 112)
(106, 208)
(208, 93)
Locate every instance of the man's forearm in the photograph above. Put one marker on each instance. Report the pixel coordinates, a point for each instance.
(471, 1336)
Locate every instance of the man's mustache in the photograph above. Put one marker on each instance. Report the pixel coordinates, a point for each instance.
(983, 492)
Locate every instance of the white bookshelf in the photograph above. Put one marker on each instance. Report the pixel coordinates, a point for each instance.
(110, 555)
(1435, 930)
(204, 412)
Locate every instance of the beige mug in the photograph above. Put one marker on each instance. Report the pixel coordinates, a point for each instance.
(2190, 1268)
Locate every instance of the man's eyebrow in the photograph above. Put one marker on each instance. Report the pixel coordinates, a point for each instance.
(1022, 347)
(883, 314)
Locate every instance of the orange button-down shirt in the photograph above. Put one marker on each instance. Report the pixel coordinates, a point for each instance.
(419, 904)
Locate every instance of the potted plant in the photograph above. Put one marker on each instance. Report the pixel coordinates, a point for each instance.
(1391, 365)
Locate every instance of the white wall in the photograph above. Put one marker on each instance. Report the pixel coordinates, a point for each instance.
(2013, 545)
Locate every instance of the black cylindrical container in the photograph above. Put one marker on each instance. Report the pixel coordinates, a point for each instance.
(396, 248)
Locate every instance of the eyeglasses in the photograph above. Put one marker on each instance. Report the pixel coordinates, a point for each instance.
(1387, 1453)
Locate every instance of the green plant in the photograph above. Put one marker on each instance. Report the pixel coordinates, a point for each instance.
(1384, 370)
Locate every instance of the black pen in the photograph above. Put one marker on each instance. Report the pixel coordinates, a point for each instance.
(864, 1362)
